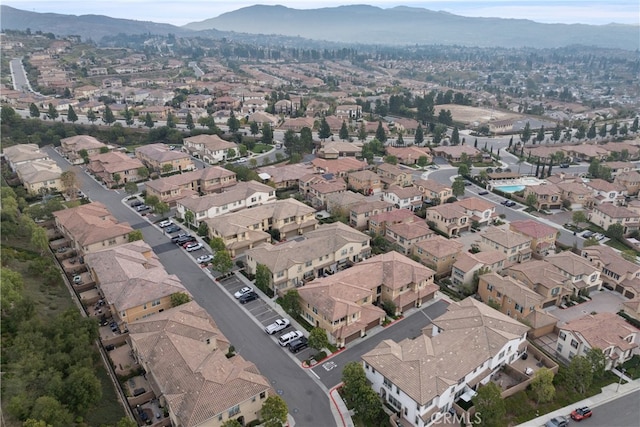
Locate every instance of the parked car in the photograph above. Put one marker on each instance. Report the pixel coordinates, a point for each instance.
(109, 347)
(299, 344)
(580, 414)
(510, 203)
(136, 203)
(468, 184)
(172, 229)
(289, 337)
(142, 208)
(277, 326)
(205, 258)
(165, 223)
(77, 279)
(248, 297)
(195, 246)
(588, 234)
(243, 291)
(557, 422)
(175, 238)
(483, 193)
(185, 239)
(564, 165)
(598, 236)
(242, 160)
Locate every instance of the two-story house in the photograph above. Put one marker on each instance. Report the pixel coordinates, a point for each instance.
(393, 175)
(22, 153)
(360, 214)
(545, 279)
(406, 234)
(378, 223)
(115, 168)
(409, 155)
(449, 218)
(630, 181)
(342, 304)
(576, 193)
(74, 147)
(209, 148)
(606, 214)
(478, 210)
(433, 192)
(467, 264)
(403, 197)
(245, 229)
(618, 273)
(209, 180)
(607, 331)
(605, 192)
(243, 195)
(162, 159)
(514, 298)
(548, 196)
(517, 247)
(91, 227)
(184, 356)
(321, 252)
(133, 281)
(482, 338)
(543, 237)
(40, 176)
(366, 182)
(438, 253)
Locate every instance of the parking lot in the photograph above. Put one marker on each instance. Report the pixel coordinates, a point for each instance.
(264, 314)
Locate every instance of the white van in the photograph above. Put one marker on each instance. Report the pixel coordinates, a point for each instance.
(285, 339)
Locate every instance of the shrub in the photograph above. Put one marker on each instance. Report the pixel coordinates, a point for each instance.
(320, 356)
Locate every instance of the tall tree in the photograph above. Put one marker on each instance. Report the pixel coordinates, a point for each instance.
(614, 129)
(542, 386)
(108, 116)
(222, 262)
(344, 131)
(324, 131)
(135, 235)
(233, 123)
(274, 411)
(148, 120)
(171, 121)
(52, 113)
(557, 133)
(189, 217)
(69, 182)
(581, 132)
(455, 136)
(463, 170)
(318, 339)
(418, 138)
(254, 129)
(189, 122)
(34, 111)
(128, 116)
(71, 115)
(267, 134)
(381, 135)
(488, 402)
(458, 187)
(591, 133)
(525, 135)
(634, 125)
(603, 130)
(91, 115)
(540, 135)
(362, 132)
(579, 375)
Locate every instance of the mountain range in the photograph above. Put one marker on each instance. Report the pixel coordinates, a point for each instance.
(358, 24)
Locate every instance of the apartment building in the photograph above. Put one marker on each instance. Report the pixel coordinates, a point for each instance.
(438, 253)
(517, 247)
(403, 197)
(543, 237)
(513, 298)
(467, 264)
(162, 159)
(606, 214)
(209, 180)
(451, 219)
(618, 274)
(115, 168)
(433, 192)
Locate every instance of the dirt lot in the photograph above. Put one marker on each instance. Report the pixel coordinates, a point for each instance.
(466, 114)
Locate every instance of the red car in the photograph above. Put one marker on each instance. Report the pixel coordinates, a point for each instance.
(581, 413)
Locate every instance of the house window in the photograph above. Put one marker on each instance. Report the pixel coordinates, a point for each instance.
(234, 411)
(156, 302)
(559, 348)
(263, 395)
(574, 343)
(387, 383)
(220, 417)
(562, 336)
(489, 287)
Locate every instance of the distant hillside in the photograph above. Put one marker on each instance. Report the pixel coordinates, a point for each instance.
(408, 26)
(87, 26)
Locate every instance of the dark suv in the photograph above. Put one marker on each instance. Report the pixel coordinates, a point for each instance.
(299, 344)
(184, 239)
(249, 296)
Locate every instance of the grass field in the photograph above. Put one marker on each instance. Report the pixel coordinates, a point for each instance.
(261, 148)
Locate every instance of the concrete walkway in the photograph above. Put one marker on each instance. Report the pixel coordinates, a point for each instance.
(610, 392)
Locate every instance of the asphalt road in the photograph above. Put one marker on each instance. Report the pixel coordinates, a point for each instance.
(330, 372)
(307, 400)
(622, 412)
(20, 81)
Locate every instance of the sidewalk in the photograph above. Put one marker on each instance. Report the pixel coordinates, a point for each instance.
(610, 392)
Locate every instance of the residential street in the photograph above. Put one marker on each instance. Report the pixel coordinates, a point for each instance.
(306, 397)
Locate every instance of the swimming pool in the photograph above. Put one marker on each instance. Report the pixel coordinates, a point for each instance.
(509, 188)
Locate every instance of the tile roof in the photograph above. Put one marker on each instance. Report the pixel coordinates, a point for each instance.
(404, 192)
(504, 238)
(91, 223)
(23, 153)
(513, 289)
(613, 211)
(83, 142)
(394, 216)
(195, 377)
(131, 275)
(431, 185)
(532, 228)
(113, 162)
(611, 260)
(422, 367)
(38, 171)
(286, 172)
(573, 264)
(603, 330)
(326, 239)
(602, 185)
(540, 272)
(339, 166)
(440, 247)
(161, 153)
(210, 142)
(237, 193)
(182, 179)
(474, 204)
(370, 206)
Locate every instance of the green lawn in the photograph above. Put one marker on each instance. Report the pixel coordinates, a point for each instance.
(616, 244)
(261, 148)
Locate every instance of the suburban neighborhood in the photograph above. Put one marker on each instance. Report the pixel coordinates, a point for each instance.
(246, 241)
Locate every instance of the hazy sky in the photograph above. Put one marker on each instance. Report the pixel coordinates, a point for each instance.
(180, 12)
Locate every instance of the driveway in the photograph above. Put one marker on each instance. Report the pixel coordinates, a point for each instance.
(604, 301)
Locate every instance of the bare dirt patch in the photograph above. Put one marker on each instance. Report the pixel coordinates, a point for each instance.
(469, 115)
